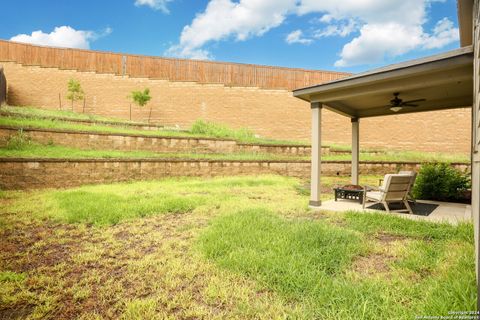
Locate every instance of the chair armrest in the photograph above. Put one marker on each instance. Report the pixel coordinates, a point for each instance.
(371, 188)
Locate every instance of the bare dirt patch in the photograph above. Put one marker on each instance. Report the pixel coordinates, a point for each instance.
(378, 263)
(372, 264)
(387, 238)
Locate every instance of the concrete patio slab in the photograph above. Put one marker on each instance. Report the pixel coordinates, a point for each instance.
(453, 213)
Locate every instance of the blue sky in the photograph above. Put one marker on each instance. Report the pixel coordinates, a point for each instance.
(347, 35)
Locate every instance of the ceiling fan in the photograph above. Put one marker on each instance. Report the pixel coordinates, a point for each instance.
(397, 104)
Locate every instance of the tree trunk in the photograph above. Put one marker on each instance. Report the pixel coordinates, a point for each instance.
(72, 105)
(130, 112)
(149, 114)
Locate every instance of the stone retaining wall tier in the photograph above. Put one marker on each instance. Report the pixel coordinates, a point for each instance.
(62, 173)
(121, 142)
(128, 142)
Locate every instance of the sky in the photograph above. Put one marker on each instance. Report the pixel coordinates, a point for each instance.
(338, 35)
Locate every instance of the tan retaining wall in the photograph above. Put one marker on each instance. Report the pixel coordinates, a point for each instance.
(121, 142)
(60, 173)
(130, 142)
(300, 150)
(270, 113)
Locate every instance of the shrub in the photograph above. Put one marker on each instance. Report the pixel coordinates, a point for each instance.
(440, 181)
(221, 131)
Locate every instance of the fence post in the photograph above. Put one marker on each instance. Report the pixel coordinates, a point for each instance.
(3, 87)
(124, 65)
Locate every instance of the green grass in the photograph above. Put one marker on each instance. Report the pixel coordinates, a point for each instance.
(417, 156)
(96, 208)
(200, 129)
(20, 146)
(257, 242)
(223, 248)
(111, 204)
(245, 135)
(31, 149)
(205, 129)
(67, 114)
(311, 262)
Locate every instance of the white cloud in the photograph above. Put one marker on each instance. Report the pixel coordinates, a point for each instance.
(188, 53)
(379, 41)
(444, 33)
(376, 41)
(160, 5)
(64, 36)
(297, 37)
(224, 19)
(386, 28)
(340, 29)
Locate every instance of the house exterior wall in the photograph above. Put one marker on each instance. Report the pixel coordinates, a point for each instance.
(476, 140)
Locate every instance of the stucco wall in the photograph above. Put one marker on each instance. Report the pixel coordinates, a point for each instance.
(270, 113)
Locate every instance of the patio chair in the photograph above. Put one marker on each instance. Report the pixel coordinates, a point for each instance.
(413, 174)
(395, 188)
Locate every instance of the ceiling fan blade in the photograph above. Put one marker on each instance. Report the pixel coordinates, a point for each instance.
(416, 100)
(409, 105)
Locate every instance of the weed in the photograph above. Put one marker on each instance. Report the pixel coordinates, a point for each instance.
(18, 141)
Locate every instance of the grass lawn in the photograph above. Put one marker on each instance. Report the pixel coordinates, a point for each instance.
(200, 129)
(203, 129)
(21, 146)
(397, 155)
(67, 114)
(29, 149)
(222, 248)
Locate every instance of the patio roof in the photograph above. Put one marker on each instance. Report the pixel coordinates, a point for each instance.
(445, 81)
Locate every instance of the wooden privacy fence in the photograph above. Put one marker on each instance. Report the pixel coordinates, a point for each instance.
(231, 74)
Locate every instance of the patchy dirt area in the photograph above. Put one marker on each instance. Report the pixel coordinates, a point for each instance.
(73, 270)
(146, 254)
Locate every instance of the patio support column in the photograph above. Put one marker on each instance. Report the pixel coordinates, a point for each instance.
(316, 108)
(355, 149)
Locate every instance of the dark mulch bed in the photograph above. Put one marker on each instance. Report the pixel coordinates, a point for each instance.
(420, 209)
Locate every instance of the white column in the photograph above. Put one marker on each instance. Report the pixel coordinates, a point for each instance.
(355, 149)
(316, 154)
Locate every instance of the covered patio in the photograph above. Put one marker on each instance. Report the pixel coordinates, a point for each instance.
(448, 80)
(448, 212)
(437, 82)
(445, 81)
